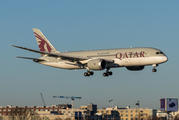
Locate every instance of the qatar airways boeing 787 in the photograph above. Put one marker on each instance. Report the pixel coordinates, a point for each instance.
(132, 58)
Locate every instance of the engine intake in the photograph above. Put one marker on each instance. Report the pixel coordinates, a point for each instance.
(135, 68)
(97, 64)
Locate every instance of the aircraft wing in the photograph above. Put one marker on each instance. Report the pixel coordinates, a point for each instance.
(65, 57)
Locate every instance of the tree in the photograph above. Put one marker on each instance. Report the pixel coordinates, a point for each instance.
(58, 118)
(23, 114)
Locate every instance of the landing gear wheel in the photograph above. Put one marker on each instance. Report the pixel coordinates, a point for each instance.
(110, 73)
(154, 70)
(105, 74)
(86, 74)
(91, 73)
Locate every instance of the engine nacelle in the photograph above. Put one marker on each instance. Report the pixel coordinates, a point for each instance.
(135, 68)
(97, 64)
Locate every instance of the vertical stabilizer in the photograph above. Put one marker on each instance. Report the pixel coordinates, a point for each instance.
(42, 41)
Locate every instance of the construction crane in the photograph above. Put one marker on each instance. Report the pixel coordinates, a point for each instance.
(68, 97)
(42, 99)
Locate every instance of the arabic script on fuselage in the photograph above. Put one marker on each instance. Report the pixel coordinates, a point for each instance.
(103, 53)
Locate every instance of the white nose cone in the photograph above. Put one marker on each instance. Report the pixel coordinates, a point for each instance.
(165, 59)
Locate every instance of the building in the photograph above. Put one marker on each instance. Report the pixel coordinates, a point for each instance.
(89, 112)
(128, 113)
(17, 110)
(165, 115)
(53, 112)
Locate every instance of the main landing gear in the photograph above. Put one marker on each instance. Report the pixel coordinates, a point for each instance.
(107, 73)
(88, 73)
(154, 65)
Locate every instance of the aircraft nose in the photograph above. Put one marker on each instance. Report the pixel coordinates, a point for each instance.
(165, 59)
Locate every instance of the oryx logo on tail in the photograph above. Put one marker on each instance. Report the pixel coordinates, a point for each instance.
(43, 45)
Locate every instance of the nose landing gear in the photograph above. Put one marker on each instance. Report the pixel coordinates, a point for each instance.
(154, 65)
(154, 70)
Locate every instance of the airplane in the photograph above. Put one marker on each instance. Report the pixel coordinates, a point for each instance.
(134, 59)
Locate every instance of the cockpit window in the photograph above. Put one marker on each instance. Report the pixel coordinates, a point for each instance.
(159, 53)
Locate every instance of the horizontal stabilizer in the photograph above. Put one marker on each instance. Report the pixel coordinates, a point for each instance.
(34, 59)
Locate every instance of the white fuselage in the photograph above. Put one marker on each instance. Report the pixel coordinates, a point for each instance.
(119, 57)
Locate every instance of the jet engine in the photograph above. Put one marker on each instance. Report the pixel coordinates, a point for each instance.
(97, 64)
(135, 68)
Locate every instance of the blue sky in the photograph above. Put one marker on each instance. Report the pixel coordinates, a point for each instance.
(88, 25)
